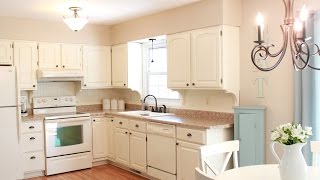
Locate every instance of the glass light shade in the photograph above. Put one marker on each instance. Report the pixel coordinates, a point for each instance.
(298, 26)
(75, 23)
(304, 14)
(259, 19)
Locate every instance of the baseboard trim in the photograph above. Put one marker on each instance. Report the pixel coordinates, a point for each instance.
(99, 163)
(33, 174)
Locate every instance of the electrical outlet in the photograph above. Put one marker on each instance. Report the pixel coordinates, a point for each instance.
(24, 99)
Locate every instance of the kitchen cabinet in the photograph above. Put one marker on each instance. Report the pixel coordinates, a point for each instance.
(71, 56)
(187, 160)
(96, 67)
(26, 59)
(49, 56)
(99, 138)
(122, 146)
(207, 59)
(6, 52)
(110, 138)
(120, 65)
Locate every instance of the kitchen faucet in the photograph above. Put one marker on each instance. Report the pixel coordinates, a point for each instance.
(155, 99)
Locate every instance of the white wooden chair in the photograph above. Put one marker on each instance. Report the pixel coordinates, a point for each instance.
(200, 175)
(229, 148)
(315, 149)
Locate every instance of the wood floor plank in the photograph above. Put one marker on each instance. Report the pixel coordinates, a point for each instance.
(104, 172)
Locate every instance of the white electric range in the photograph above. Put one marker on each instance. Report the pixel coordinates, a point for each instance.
(68, 134)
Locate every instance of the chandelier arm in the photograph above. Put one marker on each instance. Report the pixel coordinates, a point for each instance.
(284, 44)
(299, 56)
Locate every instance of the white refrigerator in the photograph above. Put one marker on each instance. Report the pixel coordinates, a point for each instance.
(9, 117)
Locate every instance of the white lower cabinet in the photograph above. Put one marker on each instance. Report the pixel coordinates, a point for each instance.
(122, 146)
(99, 138)
(138, 151)
(111, 153)
(187, 160)
(32, 144)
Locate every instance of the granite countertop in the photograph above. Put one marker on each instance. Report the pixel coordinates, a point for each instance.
(179, 120)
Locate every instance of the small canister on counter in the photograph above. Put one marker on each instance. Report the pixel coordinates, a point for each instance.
(106, 104)
(121, 104)
(114, 104)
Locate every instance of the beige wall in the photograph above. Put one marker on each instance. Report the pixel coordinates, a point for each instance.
(194, 16)
(36, 30)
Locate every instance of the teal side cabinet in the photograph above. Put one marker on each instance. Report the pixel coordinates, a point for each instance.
(249, 129)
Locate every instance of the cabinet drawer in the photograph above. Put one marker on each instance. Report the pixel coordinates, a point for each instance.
(191, 135)
(161, 129)
(121, 123)
(30, 127)
(33, 161)
(32, 142)
(139, 126)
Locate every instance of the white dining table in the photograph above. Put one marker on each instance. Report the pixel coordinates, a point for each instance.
(262, 172)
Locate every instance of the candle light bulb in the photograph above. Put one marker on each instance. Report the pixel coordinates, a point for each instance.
(259, 19)
(298, 26)
(304, 13)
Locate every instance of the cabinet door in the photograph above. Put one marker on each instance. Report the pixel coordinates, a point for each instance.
(120, 65)
(206, 58)
(71, 56)
(99, 135)
(97, 66)
(187, 160)
(138, 151)
(49, 56)
(178, 47)
(6, 57)
(25, 59)
(110, 139)
(122, 146)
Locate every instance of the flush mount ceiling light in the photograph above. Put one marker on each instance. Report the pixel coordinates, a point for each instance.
(75, 22)
(294, 34)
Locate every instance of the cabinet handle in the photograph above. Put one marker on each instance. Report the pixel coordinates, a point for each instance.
(120, 122)
(137, 125)
(57, 65)
(193, 84)
(32, 157)
(31, 127)
(34, 85)
(63, 66)
(32, 138)
(189, 135)
(187, 84)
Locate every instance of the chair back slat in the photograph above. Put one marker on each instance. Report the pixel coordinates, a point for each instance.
(200, 175)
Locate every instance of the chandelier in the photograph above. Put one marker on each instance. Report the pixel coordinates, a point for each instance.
(75, 22)
(294, 35)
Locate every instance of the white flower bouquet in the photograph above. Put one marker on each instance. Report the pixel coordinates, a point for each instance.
(289, 134)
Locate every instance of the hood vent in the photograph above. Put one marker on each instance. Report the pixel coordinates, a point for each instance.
(58, 75)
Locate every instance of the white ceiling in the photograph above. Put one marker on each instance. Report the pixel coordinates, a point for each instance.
(98, 11)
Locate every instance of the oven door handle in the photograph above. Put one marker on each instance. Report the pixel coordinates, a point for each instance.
(69, 120)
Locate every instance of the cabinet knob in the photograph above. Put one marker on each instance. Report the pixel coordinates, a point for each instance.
(63, 66)
(193, 84)
(177, 144)
(85, 85)
(124, 84)
(189, 135)
(57, 65)
(120, 122)
(130, 133)
(126, 132)
(187, 84)
(34, 85)
(31, 127)
(111, 120)
(32, 138)
(94, 120)
(32, 157)
(137, 125)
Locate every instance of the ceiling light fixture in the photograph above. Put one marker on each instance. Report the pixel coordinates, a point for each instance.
(75, 22)
(294, 34)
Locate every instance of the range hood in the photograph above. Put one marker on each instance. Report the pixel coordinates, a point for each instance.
(59, 75)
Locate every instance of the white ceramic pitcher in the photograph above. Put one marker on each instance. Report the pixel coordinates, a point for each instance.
(292, 165)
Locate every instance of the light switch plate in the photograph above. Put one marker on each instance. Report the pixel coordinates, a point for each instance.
(24, 99)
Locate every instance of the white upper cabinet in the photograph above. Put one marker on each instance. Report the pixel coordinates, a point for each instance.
(97, 67)
(6, 57)
(178, 49)
(206, 57)
(120, 65)
(71, 56)
(26, 59)
(49, 56)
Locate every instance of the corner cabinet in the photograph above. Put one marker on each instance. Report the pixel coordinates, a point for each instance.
(96, 67)
(120, 66)
(207, 59)
(6, 52)
(26, 59)
(249, 129)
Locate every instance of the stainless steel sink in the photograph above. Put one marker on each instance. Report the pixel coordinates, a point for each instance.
(145, 113)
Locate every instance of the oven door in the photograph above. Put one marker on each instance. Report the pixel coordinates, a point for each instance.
(68, 136)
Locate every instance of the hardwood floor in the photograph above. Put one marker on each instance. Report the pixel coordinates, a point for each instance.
(104, 172)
